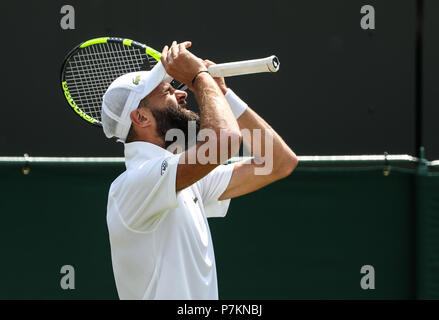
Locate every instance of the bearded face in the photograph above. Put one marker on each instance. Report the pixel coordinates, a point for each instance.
(175, 117)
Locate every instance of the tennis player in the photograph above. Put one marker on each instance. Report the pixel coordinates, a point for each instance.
(157, 212)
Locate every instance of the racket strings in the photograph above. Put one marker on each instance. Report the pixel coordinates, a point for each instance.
(91, 70)
(96, 70)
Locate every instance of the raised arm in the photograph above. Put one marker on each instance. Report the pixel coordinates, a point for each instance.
(215, 114)
(274, 159)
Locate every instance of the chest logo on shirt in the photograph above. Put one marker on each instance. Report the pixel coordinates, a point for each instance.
(164, 166)
(195, 199)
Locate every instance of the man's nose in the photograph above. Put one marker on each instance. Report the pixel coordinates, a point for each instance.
(180, 94)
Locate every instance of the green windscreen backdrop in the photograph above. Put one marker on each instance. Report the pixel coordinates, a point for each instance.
(304, 237)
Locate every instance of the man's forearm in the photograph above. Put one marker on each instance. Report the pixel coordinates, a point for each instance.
(215, 113)
(267, 144)
(214, 110)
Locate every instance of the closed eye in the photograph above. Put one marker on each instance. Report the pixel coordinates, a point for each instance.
(168, 89)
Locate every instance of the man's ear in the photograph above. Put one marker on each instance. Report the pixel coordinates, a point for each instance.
(141, 117)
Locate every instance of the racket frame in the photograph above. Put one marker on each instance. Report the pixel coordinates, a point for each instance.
(64, 87)
(269, 64)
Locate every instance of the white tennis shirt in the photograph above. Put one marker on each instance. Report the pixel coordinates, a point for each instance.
(161, 247)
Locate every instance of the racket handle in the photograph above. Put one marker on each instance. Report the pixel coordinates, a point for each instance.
(269, 64)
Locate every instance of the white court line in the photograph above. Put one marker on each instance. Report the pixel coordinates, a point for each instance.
(304, 159)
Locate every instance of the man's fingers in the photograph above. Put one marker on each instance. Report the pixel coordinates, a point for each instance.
(208, 63)
(174, 50)
(182, 46)
(169, 54)
(180, 63)
(164, 56)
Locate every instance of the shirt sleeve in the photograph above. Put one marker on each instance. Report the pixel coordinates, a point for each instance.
(148, 192)
(212, 186)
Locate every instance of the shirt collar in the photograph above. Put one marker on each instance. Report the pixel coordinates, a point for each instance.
(141, 151)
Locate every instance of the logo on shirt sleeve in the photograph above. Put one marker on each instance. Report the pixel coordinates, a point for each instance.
(164, 166)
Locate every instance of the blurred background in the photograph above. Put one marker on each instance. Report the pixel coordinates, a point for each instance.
(341, 90)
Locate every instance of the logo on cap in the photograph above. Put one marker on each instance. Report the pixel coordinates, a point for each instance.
(136, 80)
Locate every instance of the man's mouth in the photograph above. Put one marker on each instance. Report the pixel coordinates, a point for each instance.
(182, 104)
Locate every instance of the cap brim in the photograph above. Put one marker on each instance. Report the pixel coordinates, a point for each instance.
(153, 78)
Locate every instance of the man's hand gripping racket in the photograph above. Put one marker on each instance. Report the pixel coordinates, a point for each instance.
(90, 68)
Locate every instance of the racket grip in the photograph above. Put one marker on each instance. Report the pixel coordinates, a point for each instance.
(269, 64)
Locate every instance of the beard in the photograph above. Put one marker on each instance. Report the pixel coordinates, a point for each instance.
(175, 117)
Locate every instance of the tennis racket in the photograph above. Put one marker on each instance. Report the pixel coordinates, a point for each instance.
(90, 68)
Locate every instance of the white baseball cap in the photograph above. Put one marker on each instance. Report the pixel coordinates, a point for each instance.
(124, 95)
